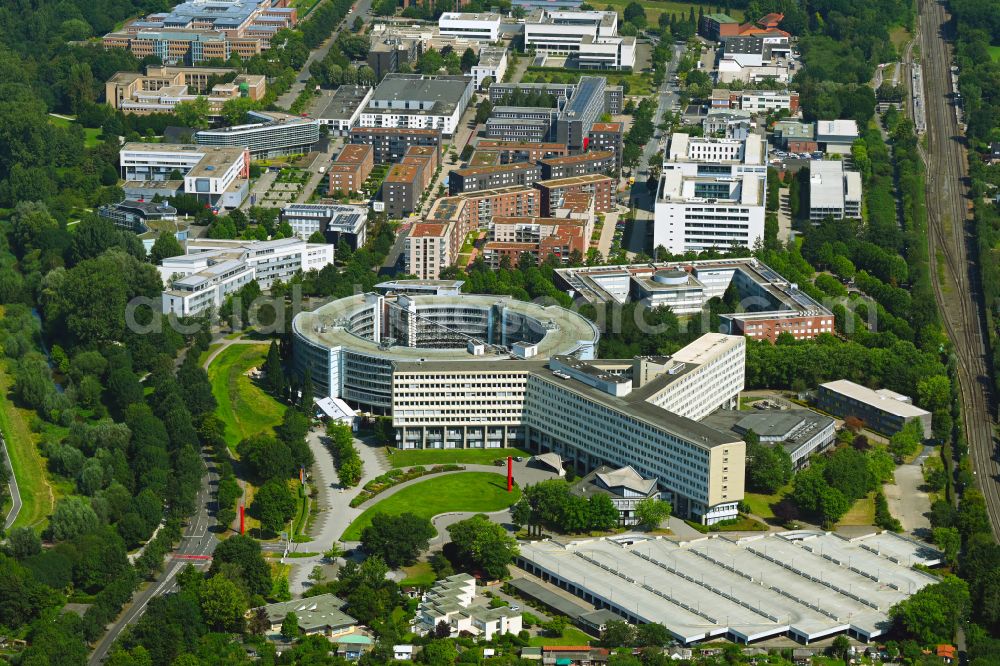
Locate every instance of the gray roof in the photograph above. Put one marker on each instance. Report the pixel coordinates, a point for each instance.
(314, 613)
(342, 103)
(445, 92)
(607, 481)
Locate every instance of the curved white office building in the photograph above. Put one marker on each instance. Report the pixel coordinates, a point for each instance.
(352, 345)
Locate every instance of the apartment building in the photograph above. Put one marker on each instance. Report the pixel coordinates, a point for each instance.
(389, 52)
(216, 175)
(483, 27)
(336, 222)
(594, 161)
(524, 151)
(430, 247)
(492, 65)
(518, 130)
(405, 183)
(415, 101)
(589, 38)
(833, 191)
(608, 136)
(452, 602)
(161, 88)
(474, 179)
(199, 30)
(391, 143)
(274, 134)
(340, 110)
(711, 194)
(474, 210)
(211, 270)
(541, 238)
(881, 410)
(351, 168)
(554, 192)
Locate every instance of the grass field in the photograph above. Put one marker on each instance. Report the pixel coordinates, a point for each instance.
(654, 8)
(899, 36)
(466, 491)
(410, 458)
(243, 406)
(419, 575)
(994, 52)
(571, 636)
(762, 505)
(862, 513)
(37, 493)
(92, 135)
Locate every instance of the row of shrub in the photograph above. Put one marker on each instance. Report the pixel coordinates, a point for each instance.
(394, 477)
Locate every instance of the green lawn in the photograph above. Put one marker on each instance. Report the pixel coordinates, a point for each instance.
(92, 135)
(571, 636)
(465, 491)
(37, 493)
(654, 8)
(419, 575)
(994, 52)
(243, 406)
(862, 513)
(413, 457)
(762, 505)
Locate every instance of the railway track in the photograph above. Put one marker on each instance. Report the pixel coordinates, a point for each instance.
(949, 240)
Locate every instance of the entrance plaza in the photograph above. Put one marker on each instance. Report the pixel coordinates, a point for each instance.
(804, 584)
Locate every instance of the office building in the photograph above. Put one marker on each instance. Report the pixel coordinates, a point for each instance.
(216, 175)
(833, 192)
(727, 124)
(389, 52)
(614, 96)
(555, 191)
(391, 143)
(755, 50)
(795, 136)
(492, 65)
(452, 601)
(801, 432)
(415, 101)
(625, 487)
(589, 38)
(135, 215)
(804, 585)
(275, 134)
(213, 269)
(514, 130)
(578, 116)
(352, 167)
(594, 161)
(769, 304)
(161, 88)
(883, 410)
(320, 615)
(336, 222)
(474, 179)
(199, 30)
(471, 372)
(483, 27)
(711, 194)
(835, 137)
(340, 110)
(717, 26)
(756, 101)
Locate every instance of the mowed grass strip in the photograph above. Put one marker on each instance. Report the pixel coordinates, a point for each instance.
(463, 491)
(411, 457)
(682, 9)
(243, 406)
(30, 470)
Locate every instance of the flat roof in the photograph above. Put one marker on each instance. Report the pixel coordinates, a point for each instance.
(887, 401)
(499, 168)
(342, 103)
(582, 157)
(826, 184)
(573, 180)
(564, 331)
(445, 92)
(403, 173)
(812, 583)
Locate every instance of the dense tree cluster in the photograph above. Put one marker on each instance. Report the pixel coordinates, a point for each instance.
(483, 545)
(345, 454)
(552, 505)
(398, 540)
(831, 484)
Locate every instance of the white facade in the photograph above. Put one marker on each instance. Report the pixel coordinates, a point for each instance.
(711, 194)
(212, 173)
(729, 70)
(478, 27)
(833, 192)
(766, 100)
(492, 64)
(413, 101)
(714, 383)
(213, 269)
(453, 602)
(590, 35)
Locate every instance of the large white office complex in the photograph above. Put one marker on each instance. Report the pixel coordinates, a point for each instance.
(711, 194)
(216, 175)
(272, 135)
(212, 269)
(589, 39)
(472, 371)
(833, 191)
(484, 27)
(415, 101)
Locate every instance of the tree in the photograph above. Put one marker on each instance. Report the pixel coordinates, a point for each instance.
(618, 633)
(768, 468)
(907, 441)
(72, 517)
(483, 111)
(164, 247)
(23, 542)
(222, 604)
(840, 647)
(194, 113)
(244, 552)
(397, 539)
(484, 545)
(273, 504)
(468, 59)
(949, 541)
(259, 623)
(652, 634)
(274, 374)
(601, 512)
(290, 626)
(652, 512)
(932, 614)
(267, 457)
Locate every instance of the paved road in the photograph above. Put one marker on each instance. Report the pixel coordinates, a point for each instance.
(15, 493)
(957, 295)
(198, 540)
(907, 500)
